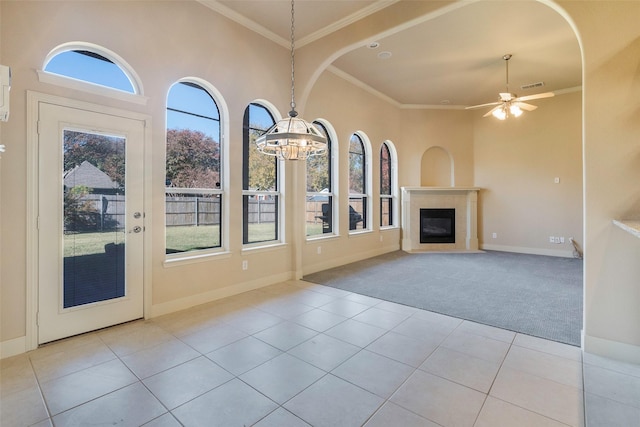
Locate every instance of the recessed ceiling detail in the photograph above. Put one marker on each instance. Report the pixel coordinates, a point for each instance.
(448, 53)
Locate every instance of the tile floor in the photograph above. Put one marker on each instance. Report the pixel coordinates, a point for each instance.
(300, 354)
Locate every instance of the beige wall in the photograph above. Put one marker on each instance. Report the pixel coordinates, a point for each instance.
(202, 44)
(451, 130)
(160, 57)
(611, 53)
(516, 163)
(165, 41)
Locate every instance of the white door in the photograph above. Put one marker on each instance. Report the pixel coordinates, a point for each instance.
(90, 220)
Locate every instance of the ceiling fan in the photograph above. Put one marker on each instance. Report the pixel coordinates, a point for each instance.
(510, 104)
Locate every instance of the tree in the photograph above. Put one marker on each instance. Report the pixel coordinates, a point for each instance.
(107, 153)
(318, 173)
(385, 170)
(262, 167)
(356, 165)
(193, 159)
(79, 213)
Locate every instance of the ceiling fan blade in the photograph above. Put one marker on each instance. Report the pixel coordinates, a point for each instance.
(482, 105)
(524, 106)
(492, 110)
(536, 96)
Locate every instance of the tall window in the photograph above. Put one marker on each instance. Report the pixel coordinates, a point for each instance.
(357, 184)
(260, 190)
(386, 189)
(193, 170)
(319, 210)
(90, 66)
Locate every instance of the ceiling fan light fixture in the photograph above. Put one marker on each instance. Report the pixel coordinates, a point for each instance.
(292, 138)
(499, 113)
(509, 103)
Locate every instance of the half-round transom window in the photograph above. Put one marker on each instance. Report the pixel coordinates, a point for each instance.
(90, 67)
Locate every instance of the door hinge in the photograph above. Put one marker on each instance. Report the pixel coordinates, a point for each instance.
(38, 318)
(38, 127)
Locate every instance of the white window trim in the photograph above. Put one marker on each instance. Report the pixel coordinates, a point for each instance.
(394, 186)
(127, 69)
(280, 174)
(200, 255)
(366, 145)
(335, 204)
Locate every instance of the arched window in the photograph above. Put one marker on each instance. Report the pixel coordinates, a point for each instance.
(387, 177)
(93, 65)
(358, 180)
(320, 194)
(194, 190)
(260, 186)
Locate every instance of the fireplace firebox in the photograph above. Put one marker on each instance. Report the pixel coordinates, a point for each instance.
(437, 225)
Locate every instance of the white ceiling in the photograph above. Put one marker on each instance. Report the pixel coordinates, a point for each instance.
(454, 59)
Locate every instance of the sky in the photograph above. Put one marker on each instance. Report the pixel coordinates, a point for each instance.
(197, 109)
(204, 115)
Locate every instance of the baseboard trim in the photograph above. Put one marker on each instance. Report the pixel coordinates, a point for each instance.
(611, 349)
(216, 294)
(13, 347)
(332, 263)
(18, 345)
(530, 251)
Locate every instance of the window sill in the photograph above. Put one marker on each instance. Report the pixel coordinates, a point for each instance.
(322, 237)
(185, 259)
(264, 248)
(69, 83)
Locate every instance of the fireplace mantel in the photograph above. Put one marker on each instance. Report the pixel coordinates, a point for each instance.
(463, 199)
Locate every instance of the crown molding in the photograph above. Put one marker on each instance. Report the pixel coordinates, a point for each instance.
(256, 27)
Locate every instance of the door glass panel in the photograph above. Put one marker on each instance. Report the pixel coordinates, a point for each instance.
(94, 218)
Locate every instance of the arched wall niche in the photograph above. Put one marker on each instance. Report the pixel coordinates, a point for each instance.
(436, 168)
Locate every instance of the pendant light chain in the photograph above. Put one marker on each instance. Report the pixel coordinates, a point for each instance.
(507, 78)
(506, 58)
(292, 138)
(293, 112)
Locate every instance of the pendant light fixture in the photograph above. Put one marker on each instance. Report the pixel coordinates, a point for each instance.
(292, 138)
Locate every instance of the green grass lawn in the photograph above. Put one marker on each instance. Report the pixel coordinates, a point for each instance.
(79, 244)
(187, 238)
(179, 239)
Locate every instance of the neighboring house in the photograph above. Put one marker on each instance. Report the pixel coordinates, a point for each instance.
(90, 176)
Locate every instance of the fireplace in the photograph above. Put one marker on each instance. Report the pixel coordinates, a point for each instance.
(461, 201)
(437, 225)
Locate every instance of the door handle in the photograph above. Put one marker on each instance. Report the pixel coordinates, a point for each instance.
(136, 229)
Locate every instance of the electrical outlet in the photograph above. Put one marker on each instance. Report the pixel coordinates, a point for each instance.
(552, 239)
(557, 240)
(319, 250)
(245, 264)
(381, 238)
(494, 235)
(562, 240)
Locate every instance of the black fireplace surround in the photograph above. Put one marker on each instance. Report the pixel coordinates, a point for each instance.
(437, 225)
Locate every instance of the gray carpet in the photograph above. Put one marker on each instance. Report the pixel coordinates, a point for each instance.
(532, 294)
